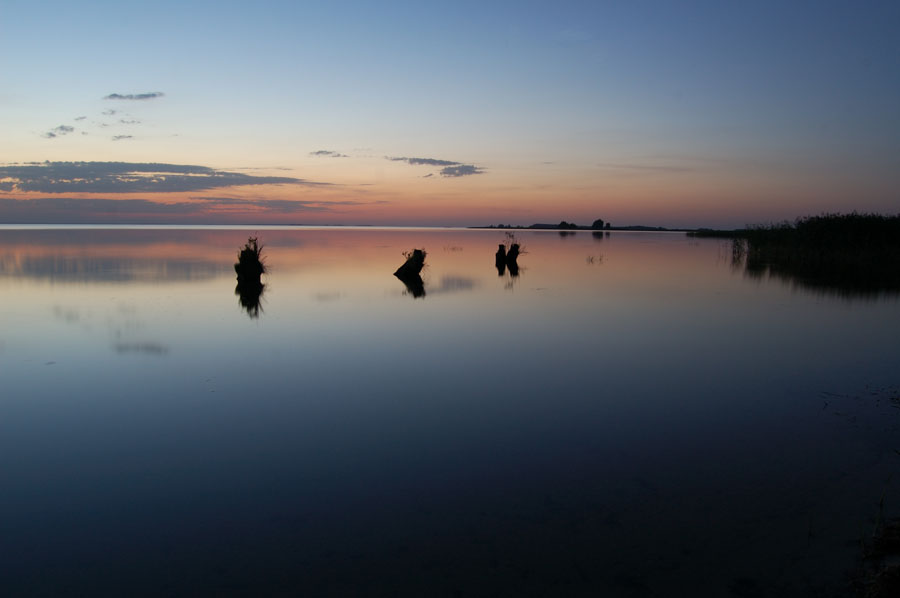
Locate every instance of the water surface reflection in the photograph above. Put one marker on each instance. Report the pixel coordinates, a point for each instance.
(854, 278)
(649, 421)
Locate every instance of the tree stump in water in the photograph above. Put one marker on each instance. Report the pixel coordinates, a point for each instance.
(249, 267)
(408, 273)
(413, 264)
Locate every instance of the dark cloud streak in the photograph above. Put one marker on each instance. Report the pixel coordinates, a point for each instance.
(450, 168)
(461, 170)
(134, 96)
(424, 161)
(127, 177)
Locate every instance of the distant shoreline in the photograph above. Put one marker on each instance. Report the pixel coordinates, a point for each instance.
(573, 227)
(195, 225)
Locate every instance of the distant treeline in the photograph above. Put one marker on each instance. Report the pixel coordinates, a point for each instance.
(834, 230)
(598, 224)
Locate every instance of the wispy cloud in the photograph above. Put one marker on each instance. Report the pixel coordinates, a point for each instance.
(77, 118)
(58, 131)
(328, 153)
(74, 210)
(638, 167)
(127, 177)
(134, 96)
(450, 168)
(120, 137)
(275, 205)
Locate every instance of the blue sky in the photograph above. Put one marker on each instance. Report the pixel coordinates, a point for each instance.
(706, 113)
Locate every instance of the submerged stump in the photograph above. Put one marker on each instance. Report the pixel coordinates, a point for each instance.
(511, 256)
(408, 273)
(415, 260)
(506, 256)
(249, 269)
(500, 260)
(249, 266)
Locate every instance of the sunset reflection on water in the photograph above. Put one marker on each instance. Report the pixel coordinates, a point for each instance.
(626, 399)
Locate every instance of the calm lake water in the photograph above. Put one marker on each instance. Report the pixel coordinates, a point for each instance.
(631, 415)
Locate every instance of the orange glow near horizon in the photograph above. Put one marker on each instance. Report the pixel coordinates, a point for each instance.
(378, 191)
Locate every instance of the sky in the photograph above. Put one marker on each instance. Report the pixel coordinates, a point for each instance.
(678, 114)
